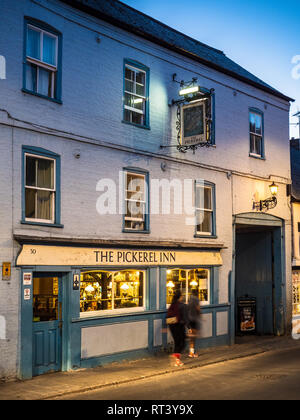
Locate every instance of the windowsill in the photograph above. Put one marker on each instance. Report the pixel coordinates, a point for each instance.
(146, 232)
(54, 225)
(29, 92)
(114, 312)
(198, 235)
(120, 315)
(253, 155)
(145, 127)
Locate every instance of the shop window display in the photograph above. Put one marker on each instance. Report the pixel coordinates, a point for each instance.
(108, 290)
(186, 281)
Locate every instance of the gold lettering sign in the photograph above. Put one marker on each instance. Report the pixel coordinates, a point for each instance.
(45, 255)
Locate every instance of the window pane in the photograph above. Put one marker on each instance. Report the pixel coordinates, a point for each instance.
(30, 171)
(140, 78)
(135, 210)
(203, 197)
(45, 82)
(129, 74)
(140, 83)
(45, 173)
(255, 123)
(127, 115)
(140, 90)
(252, 122)
(45, 299)
(258, 124)
(128, 289)
(44, 205)
(95, 291)
(49, 49)
(255, 144)
(176, 280)
(137, 103)
(258, 145)
(198, 280)
(134, 225)
(30, 203)
(128, 99)
(129, 86)
(137, 118)
(135, 183)
(204, 221)
(31, 77)
(33, 43)
(207, 198)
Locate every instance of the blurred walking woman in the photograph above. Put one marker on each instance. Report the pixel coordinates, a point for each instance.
(176, 323)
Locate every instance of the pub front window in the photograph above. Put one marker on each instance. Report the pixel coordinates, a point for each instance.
(186, 281)
(109, 290)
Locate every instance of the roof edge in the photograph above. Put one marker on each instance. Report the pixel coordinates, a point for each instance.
(109, 19)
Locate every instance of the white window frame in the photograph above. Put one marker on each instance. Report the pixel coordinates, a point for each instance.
(41, 63)
(52, 190)
(120, 310)
(144, 98)
(143, 202)
(199, 209)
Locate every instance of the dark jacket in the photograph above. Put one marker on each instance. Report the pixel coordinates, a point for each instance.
(193, 309)
(178, 309)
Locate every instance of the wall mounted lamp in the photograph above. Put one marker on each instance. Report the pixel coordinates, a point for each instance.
(268, 203)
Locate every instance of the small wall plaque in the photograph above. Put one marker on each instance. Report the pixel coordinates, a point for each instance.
(6, 271)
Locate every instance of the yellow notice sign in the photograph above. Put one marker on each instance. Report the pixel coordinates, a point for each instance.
(6, 271)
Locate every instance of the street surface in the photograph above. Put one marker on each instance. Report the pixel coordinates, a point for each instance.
(272, 375)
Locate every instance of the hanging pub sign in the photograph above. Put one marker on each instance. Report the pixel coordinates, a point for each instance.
(195, 116)
(193, 124)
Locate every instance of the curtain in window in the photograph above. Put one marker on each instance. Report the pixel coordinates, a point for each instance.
(34, 44)
(44, 82)
(31, 77)
(44, 205)
(49, 50)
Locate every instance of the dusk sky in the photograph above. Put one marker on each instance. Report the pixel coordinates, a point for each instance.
(262, 37)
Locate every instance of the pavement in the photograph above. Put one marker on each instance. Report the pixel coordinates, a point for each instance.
(54, 385)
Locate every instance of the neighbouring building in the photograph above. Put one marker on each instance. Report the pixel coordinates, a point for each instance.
(93, 130)
(295, 202)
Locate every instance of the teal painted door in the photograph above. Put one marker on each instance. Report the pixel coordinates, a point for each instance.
(254, 275)
(47, 324)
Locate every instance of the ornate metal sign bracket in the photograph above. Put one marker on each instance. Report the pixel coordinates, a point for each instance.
(201, 95)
